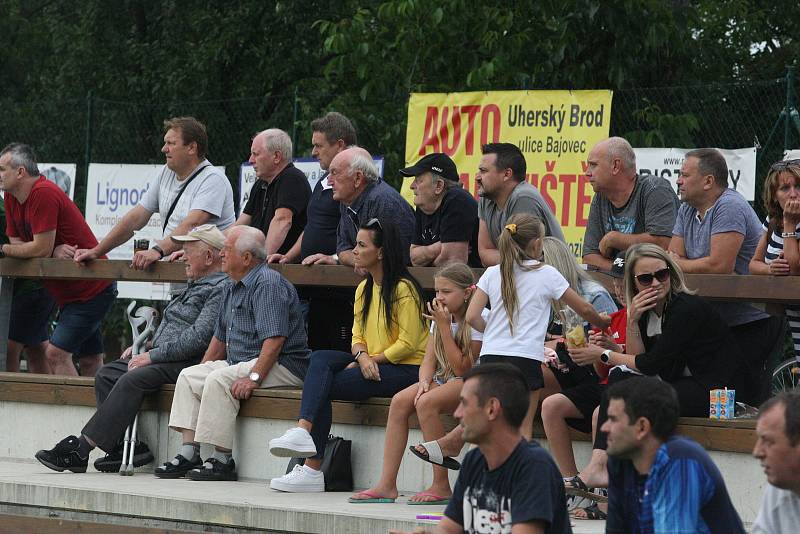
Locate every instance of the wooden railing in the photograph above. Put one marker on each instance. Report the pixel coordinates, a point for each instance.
(767, 289)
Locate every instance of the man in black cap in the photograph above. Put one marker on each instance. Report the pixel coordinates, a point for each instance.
(446, 225)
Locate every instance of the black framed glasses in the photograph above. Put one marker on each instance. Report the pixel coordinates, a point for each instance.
(785, 164)
(646, 279)
(374, 222)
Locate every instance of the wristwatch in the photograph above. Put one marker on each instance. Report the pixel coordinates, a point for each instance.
(255, 377)
(359, 353)
(158, 249)
(335, 258)
(605, 356)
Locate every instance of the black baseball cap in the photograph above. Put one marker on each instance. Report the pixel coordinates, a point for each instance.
(437, 162)
(618, 266)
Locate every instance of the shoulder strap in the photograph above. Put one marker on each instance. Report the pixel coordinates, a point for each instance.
(178, 196)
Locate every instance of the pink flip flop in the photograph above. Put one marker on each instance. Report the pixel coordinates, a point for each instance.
(436, 499)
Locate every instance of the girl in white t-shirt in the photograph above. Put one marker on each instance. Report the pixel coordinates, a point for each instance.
(451, 351)
(520, 292)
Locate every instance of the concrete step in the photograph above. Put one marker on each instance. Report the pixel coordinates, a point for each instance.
(30, 489)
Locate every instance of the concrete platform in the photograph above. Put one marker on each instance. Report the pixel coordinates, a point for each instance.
(29, 489)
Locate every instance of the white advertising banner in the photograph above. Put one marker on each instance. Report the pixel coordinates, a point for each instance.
(113, 190)
(792, 154)
(309, 166)
(61, 174)
(666, 162)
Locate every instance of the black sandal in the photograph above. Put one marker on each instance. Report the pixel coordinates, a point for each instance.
(593, 513)
(576, 486)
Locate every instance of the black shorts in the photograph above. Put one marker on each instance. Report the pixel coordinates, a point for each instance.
(586, 397)
(532, 369)
(30, 317)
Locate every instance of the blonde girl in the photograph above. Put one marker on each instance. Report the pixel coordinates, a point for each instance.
(520, 292)
(451, 350)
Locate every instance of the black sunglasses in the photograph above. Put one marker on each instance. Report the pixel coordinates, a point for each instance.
(646, 279)
(374, 222)
(785, 164)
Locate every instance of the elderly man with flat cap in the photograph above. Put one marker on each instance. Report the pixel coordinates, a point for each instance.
(179, 341)
(446, 218)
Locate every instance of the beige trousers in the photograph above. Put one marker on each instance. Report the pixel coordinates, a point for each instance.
(203, 401)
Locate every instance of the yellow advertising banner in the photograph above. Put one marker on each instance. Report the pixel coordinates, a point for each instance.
(554, 130)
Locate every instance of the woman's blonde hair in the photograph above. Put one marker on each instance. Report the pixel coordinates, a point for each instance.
(677, 282)
(463, 278)
(770, 195)
(557, 255)
(516, 237)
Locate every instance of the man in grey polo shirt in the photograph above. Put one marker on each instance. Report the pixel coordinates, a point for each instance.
(716, 232)
(363, 196)
(187, 192)
(259, 342)
(504, 192)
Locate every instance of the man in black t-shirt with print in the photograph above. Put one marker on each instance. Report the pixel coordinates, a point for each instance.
(446, 218)
(278, 200)
(506, 481)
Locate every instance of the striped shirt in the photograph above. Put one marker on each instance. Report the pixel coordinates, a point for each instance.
(774, 250)
(262, 305)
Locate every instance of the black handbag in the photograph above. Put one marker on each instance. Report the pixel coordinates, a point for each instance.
(336, 465)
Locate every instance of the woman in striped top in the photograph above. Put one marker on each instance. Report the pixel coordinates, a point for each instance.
(777, 253)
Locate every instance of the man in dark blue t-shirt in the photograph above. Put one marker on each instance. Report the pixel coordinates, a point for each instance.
(506, 481)
(446, 215)
(659, 482)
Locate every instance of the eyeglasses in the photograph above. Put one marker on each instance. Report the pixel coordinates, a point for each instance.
(373, 222)
(646, 279)
(783, 165)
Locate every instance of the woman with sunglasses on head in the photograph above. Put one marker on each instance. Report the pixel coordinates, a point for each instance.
(777, 252)
(670, 333)
(389, 340)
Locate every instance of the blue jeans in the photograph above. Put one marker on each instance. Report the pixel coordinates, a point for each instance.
(327, 380)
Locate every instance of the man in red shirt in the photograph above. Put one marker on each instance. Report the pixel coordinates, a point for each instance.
(41, 221)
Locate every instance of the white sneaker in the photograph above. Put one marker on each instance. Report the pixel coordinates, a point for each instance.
(300, 480)
(295, 443)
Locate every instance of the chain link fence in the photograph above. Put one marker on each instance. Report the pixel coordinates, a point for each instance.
(98, 130)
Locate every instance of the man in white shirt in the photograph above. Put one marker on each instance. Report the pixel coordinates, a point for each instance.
(187, 192)
(778, 450)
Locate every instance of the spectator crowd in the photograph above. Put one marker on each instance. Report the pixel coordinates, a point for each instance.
(534, 333)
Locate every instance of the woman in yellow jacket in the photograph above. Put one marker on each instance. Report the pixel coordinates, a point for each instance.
(389, 340)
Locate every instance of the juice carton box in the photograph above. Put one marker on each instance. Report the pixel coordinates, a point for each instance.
(722, 403)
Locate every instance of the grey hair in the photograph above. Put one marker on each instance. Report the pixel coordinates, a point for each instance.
(22, 155)
(366, 165)
(620, 148)
(251, 240)
(276, 140)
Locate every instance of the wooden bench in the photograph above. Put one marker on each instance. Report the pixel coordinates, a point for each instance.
(284, 404)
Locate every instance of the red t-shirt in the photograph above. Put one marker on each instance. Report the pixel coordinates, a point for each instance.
(618, 328)
(47, 208)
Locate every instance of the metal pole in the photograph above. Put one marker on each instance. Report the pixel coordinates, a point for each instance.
(294, 121)
(89, 137)
(789, 106)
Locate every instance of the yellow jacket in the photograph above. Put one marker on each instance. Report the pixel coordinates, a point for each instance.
(405, 342)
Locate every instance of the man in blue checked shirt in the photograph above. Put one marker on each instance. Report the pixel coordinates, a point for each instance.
(659, 482)
(259, 342)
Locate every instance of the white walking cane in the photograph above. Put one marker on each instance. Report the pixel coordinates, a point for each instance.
(143, 324)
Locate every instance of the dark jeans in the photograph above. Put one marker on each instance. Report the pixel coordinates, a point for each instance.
(327, 380)
(757, 341)
(120, 393)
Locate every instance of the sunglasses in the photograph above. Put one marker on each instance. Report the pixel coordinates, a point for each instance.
(783, 165)
(374, 222)
(646, 279)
